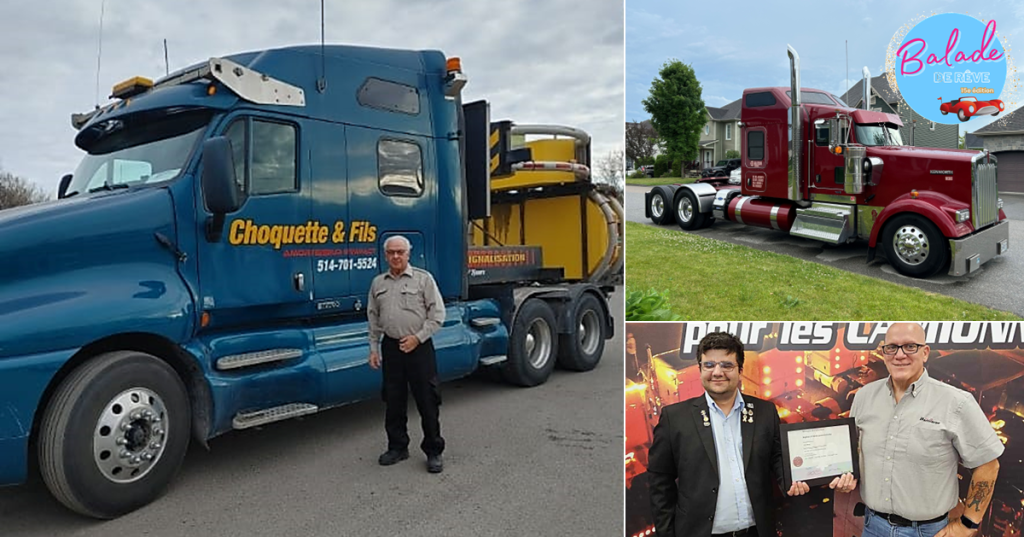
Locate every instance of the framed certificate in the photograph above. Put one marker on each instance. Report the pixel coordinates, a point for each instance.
(818, 451)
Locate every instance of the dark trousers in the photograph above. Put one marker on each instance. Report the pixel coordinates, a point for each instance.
(415, 371)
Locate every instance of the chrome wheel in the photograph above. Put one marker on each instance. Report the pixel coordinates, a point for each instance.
(538, 343)
(911, 245)
(130, 435)
(657, 206)
(685, 209)
(590, 332)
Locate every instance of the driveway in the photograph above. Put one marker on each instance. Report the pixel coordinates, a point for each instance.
(990, 286)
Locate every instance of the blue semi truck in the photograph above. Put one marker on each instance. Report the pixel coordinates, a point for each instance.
(205, 267)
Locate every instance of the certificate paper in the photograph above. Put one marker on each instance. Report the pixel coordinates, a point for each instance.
(820, 452)
(816, 452)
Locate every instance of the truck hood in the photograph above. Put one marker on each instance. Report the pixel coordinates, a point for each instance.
(924, 160)
(81, 232)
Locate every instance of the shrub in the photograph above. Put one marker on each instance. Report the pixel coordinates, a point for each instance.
(649, 305)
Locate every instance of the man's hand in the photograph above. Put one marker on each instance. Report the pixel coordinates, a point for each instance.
(799, 488)
(408, 344)
(843, 483)
(955, 529)
(374, 360)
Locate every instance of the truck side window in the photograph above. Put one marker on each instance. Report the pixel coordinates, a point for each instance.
(755, 145)
(399, 168)
(273, 158)
(764, 98)
(821, 135)
(390, 96)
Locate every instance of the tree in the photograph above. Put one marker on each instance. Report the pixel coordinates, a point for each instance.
(640, 140)
(677, 109)
(611, 168)
(16, 191)
(962, 142)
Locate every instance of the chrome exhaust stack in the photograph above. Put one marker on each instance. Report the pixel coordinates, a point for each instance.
(795, 154)
(866, 87)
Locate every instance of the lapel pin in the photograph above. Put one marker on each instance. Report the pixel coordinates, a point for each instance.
(704, 415)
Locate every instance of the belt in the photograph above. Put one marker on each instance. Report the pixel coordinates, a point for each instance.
(746, 532)
(896, 520)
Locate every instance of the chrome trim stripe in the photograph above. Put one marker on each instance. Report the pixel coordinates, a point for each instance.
(485, 321)
(775, 217)
(249, 359)
(739, 207)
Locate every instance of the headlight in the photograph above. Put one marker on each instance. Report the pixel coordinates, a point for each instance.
(962, 215)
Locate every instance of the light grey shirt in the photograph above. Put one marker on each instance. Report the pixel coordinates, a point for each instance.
(733, 510)
(409, 304)
(909, 451)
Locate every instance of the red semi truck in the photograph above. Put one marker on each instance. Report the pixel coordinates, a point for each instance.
(816, 168)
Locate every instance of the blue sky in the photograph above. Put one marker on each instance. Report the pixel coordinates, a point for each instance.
(738, 45)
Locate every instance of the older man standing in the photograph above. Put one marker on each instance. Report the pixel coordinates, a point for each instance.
(913, 431)
(406, 307)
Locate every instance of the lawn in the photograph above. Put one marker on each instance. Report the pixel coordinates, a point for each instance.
(707, 279)
(652, 181)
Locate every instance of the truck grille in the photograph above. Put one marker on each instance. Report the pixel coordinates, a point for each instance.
(984, 210)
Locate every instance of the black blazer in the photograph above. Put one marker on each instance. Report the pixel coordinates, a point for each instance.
(684, 449)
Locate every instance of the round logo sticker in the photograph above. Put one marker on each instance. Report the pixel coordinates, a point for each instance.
(798, 462)
(950, 68)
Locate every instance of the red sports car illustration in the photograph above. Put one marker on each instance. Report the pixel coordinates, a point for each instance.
(967, 107)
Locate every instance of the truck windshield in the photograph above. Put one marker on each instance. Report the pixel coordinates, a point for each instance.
(143, 149)
(878, 134)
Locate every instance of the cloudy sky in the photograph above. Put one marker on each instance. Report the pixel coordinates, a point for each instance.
(744, 45)
(536, 61)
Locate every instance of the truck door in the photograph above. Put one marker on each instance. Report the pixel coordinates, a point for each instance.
(827, 172)
(259, 268)
(392, 191)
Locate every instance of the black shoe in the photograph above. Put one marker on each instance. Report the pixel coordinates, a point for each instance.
(392, 456)
(435, 463)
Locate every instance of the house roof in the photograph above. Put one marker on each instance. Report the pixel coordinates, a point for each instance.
(1012, 122)
(972, 142)
(728, 112)
(879, 84)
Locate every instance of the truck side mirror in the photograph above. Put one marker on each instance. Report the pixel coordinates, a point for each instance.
(62, 190)
(837, 126)
(220, 189)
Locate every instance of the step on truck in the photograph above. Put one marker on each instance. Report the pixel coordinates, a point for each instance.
(206, 266)
(816, 168)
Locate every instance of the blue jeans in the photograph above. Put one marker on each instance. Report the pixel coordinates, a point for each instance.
(876, 526)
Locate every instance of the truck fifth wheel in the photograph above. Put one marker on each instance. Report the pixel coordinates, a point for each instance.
(816, 168)
(207, 265)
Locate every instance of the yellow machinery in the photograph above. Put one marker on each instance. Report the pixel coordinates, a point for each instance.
(551, 202)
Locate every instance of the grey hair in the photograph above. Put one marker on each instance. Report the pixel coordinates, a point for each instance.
(405, 241)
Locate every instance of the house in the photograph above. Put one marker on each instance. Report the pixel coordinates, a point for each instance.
(1004, 138)
(916, 130)
(720, 134)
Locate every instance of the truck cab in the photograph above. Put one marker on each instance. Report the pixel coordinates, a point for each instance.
(816, 168)
(206, 267)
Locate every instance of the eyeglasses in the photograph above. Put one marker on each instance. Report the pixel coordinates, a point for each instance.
(726, 366)
(395, 252)
(908, 348)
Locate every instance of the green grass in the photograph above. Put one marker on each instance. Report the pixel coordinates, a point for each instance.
(707, 279)
(652, 181)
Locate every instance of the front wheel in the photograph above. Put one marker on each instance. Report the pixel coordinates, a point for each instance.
(914, 246)
(114, 434)
(582, 347)
(533, 344)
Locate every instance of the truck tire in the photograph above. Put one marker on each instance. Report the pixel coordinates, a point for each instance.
(687, 211)
(533, 345)
(914, 246)
(582, 347)
(114, 434)
(661, 211)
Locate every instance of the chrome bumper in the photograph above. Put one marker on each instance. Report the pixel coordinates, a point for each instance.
(970, 253)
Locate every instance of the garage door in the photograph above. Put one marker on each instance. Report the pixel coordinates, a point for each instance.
(1011, 171)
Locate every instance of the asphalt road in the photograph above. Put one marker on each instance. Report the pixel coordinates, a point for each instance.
(519, 461)
(990, 286)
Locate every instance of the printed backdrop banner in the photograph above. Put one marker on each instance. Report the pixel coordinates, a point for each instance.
(812, 371)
